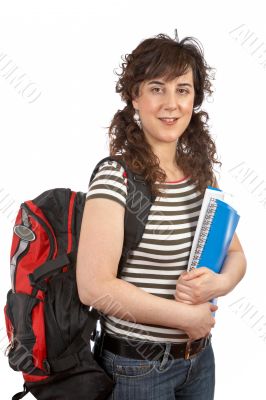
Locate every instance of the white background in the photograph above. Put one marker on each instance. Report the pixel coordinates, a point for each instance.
(70, 50)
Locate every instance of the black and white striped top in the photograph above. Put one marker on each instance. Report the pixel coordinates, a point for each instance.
(163, 252)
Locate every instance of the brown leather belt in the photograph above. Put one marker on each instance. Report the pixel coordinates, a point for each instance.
(146, 350)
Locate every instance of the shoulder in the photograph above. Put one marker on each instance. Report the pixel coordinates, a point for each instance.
(112, 166)
(110, 182)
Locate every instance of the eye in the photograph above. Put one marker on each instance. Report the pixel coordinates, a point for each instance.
(180, 90)
(184, 91)
(155, 89)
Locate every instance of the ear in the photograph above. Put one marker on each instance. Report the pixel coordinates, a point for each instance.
(135, 104)
(135, 97)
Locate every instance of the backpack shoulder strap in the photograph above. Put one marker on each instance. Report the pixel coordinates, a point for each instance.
(138, 204)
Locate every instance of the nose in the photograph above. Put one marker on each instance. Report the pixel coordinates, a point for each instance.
(170, 101)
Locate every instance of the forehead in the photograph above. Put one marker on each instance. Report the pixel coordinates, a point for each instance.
(187, 77)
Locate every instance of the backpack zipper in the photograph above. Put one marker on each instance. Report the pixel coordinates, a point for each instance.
(50, 237)
(14, 263)
(45, 227)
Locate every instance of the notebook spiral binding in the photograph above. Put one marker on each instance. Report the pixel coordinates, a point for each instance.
(204, 232)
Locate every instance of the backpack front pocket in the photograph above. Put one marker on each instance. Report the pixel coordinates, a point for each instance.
(19, 311)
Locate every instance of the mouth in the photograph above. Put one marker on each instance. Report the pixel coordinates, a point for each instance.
(168, 121)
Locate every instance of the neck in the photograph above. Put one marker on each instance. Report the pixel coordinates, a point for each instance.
(167, 156)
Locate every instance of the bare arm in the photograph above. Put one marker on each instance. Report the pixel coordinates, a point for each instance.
(128, 302)
(100, 247)
(234, 267)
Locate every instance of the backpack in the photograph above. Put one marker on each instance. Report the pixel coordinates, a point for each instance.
(49, 329)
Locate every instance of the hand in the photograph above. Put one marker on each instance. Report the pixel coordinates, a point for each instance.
(199, 320)
(197, 286)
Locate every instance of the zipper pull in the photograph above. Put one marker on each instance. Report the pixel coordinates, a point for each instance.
(11, 345)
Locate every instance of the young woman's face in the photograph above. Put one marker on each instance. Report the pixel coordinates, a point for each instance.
(158, 100)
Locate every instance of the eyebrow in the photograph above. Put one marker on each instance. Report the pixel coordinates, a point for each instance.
(161, 83)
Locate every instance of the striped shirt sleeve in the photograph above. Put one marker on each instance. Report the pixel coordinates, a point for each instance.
(110, 182)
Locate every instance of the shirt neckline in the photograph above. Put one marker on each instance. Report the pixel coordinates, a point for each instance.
(179, 180)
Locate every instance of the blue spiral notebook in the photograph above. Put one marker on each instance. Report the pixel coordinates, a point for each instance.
(214, 232)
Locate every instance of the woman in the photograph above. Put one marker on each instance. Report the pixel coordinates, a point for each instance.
(162, 135)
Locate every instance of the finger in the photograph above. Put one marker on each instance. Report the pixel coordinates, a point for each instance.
(213, 307)
(187, 302)
(183, 297)
(185, 282)
(184, 301)
(194, 273)
(180, 288)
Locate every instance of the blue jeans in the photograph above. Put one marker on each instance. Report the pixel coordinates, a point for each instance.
(164, 379)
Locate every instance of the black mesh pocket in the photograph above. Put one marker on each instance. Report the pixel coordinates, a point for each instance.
(19, 310)
(65, 315)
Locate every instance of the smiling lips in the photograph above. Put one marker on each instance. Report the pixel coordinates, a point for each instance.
(168, 121)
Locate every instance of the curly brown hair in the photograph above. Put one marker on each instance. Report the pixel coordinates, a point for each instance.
(161, 56)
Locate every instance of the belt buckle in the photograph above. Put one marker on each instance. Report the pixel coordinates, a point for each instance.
(187, 350)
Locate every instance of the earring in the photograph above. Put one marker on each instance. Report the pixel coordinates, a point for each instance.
(137, 119)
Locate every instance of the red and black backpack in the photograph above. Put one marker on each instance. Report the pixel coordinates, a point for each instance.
(49, 329)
